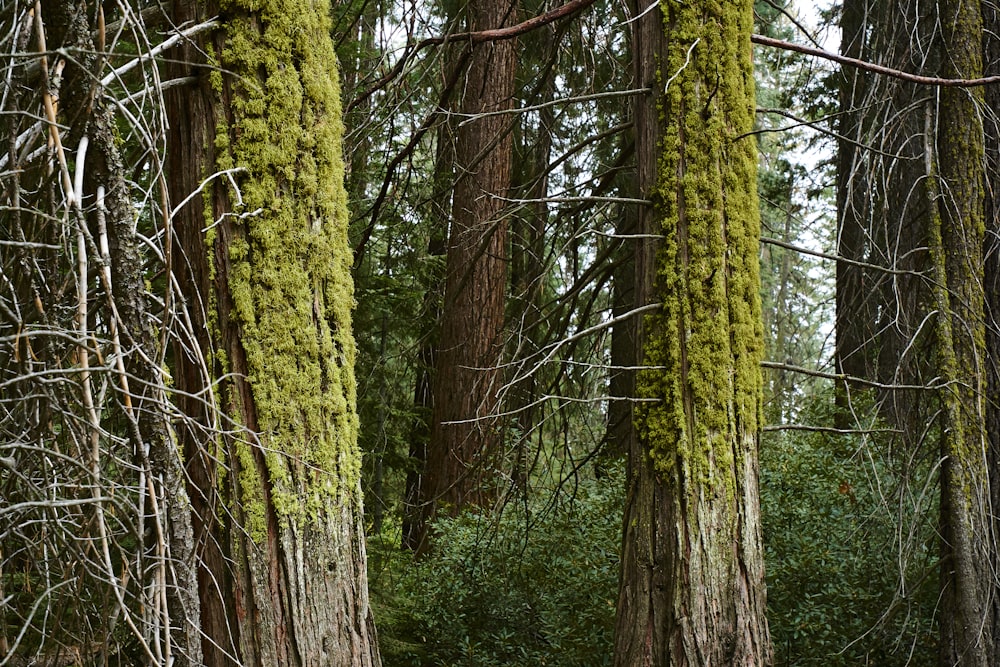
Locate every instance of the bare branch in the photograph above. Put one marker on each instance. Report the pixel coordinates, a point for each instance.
(872, 67)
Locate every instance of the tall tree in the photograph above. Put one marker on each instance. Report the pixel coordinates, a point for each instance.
(991, 284)
(954, 162)
(853, 318)
(465, 444)
(881, 295)
(692, 582)
(271, 446)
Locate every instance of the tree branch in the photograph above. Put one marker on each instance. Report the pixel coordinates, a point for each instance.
(494, 35)
(872, 67)
(844, 377)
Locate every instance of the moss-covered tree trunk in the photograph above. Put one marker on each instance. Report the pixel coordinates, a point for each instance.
(955, 157)
(465, 441)
(692, 582)
(991, 275)
(263, 260)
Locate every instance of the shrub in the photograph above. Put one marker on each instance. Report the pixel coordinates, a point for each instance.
(535, 586)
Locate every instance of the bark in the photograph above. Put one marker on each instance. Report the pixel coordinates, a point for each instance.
(853, 320)
(954, 165)
(263, 260)
(882, 216)
(692, 580)
(414, 510)
(465, 446)
(624, 347)
(991, 271)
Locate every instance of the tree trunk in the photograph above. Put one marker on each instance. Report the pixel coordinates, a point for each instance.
(263, 259)
(954, 165)
(853, 319)
(168, 556)
(991, 272)
(692, 582)
(465, 445)
(882, 217)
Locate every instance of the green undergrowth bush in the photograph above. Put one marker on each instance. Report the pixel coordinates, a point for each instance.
(851, 553)
(535, 585)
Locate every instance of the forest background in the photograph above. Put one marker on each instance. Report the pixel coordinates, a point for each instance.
(172, 340)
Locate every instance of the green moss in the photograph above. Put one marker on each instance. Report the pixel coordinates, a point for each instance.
(290, 276)
(709, 334)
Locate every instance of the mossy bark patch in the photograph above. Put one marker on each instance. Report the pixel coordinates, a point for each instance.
(709, 334)
(692, 590)
(289, 274)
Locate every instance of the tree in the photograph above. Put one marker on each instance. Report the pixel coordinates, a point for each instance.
(991, 287)
(918, 206)
(260, 230)
(466, 440)
(882, 231)
(692, 590)
(954, 162)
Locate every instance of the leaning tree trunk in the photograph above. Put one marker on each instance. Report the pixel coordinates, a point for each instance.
(262, 255)
(692, 581)
(465, 443)
(955, 157)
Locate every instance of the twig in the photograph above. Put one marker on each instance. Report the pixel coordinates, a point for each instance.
(844, 377)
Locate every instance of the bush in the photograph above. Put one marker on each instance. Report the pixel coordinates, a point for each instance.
(841, 524)
(535, 586)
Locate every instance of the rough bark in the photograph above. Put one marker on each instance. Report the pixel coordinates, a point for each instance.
(954, 175)
(465, 444)
(271, 445)
(991, 283)
(439, 210)
(853, 321)
(692, 581)
(882, 215)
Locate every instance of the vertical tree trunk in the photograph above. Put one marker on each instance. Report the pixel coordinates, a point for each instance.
(264, 261)
(465, 444)
(692, 582)
(954, 165)
(882, 219)
(439, 211)
(853, 319)
(991, 283)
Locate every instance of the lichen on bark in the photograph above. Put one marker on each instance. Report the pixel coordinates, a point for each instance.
(709, 334)
(290, 264)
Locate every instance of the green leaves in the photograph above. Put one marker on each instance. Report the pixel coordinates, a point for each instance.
(535, 586)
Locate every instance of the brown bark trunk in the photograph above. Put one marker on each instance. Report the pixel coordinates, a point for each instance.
(991, 283)
(465, 446)
(882, 218)
(439, 209)
(264, 263)
(955, 162)
(692, 579)
(853, 321)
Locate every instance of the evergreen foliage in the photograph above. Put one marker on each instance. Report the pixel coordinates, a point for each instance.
(534, 586)
(848, 584)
